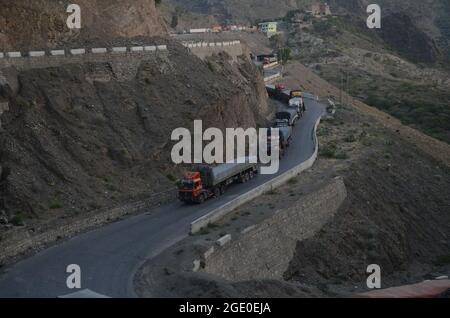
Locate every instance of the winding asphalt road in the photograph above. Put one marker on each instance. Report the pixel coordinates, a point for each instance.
(110, 256)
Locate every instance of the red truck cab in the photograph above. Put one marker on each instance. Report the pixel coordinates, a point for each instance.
(191, 186)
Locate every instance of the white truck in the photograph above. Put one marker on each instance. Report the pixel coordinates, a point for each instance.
(298, 104)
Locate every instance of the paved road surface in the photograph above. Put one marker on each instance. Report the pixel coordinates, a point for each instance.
(110, 255)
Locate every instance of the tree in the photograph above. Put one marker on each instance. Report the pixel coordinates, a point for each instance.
(284, 55)
(174, 22)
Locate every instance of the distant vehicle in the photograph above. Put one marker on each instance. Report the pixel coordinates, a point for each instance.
(205, 181)
(280, 87)
(296, 93)
(279, 92)
(290, 115)
(285, 136)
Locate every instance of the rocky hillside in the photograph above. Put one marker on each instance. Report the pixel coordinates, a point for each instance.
(79, 138)
(419, 25)
(76, 139)
(45, 24)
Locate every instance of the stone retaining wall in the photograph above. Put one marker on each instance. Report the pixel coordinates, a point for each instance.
(265, 250)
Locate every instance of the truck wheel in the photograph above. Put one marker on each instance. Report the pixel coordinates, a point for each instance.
(217, 192)
(201, 198)
(222, 190)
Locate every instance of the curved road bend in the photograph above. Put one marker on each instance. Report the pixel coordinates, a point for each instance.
(110, 256)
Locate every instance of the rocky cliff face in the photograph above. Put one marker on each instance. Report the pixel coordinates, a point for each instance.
(42, 23)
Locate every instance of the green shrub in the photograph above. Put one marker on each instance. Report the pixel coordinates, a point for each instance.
(293, 180)
(212, 67)
(171, 177)
(55, 204)
(332, 152)
(17, 220)
(442, 260)
(350, 138)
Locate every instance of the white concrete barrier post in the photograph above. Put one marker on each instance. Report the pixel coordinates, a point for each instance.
(119, 50)
(14, 54)
(78, 51)
(36, 53)
(137, 49)
(224, 240)
(100, 50)
(57, 52)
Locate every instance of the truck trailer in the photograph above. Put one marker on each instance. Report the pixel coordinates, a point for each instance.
(290, 114)
(284, 135)
(205, 181)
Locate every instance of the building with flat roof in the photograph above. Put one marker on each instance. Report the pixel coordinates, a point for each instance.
(268, 28)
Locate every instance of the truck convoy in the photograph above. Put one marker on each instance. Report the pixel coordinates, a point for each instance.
(205, 181)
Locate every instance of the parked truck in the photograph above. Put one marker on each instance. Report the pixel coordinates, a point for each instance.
(205, 181)
(278, 92)
(284, 136)
(297, 104)
(290, 115)
(295, 93)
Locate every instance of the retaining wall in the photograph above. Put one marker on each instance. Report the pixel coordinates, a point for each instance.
(222, 211)
(265, 250)
(123, 60)
(273, 77)
(204, 49)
